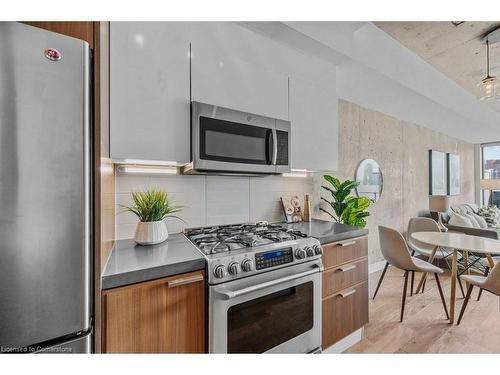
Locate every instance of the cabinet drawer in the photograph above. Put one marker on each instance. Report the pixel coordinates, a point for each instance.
(344, 312)
(344, 276)
(344, 251)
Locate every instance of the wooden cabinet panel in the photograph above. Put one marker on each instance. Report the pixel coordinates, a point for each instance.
(344, 276)
(80, 30)
(344, 251)
(313, 113)
(344, 313)
(160, 316)
(149, 91)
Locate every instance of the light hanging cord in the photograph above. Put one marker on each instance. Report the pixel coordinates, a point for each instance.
(487, 58)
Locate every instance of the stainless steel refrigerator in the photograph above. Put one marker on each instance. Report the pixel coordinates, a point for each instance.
(45, 193)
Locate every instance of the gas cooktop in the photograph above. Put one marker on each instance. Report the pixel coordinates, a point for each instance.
(223, 238)
(243, 250)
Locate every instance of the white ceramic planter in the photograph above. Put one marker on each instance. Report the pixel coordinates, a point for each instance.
(151, 233)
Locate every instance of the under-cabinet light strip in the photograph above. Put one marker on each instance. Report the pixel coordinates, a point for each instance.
(146, 170)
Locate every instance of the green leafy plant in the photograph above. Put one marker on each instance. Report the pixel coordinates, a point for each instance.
(151, 205)
(347, 208)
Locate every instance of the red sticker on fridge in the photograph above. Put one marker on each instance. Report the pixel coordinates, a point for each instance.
(52, 54)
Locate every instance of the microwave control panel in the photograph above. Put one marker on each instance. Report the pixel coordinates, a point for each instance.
(282, 141)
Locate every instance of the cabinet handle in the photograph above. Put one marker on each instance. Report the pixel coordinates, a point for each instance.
(347, 294)
(347, 268)
(185, 280)
(345, 244)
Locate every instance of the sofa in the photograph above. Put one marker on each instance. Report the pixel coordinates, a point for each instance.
(490, 232)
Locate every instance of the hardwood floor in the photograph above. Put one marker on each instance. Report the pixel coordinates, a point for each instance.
(425, 328)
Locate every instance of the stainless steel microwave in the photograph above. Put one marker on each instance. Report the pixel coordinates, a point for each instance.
(224, 141)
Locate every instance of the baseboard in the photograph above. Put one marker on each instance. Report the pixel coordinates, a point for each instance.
(345, 343)
(374, 267)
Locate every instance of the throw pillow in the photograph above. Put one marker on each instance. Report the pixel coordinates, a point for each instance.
(459, 220)
(480, 220)
(490, 215)
(473, 220)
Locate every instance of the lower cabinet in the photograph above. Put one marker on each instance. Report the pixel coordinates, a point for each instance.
(345, 289)
(160, 316)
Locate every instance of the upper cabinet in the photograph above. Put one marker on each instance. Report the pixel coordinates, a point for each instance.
(149, 91)
(221, 79)
(313, 113)
(156, 68)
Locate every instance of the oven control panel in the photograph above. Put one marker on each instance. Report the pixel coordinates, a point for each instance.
(273, 258)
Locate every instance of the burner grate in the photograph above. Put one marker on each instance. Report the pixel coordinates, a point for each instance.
(223, 238)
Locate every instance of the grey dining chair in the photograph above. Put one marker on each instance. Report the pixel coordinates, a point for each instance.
(419, 224)
(395, 250)
(490, 283)
(486, 266)
(426, 224)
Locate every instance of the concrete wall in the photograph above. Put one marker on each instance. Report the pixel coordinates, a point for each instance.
(401, 149)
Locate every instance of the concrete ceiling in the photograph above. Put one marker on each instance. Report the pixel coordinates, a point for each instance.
(455, 50)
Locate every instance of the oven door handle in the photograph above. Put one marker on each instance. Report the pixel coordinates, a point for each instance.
(229, 294)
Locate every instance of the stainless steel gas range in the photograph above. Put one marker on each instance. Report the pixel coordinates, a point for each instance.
(264, 287)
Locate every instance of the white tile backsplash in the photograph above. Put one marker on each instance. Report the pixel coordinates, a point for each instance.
(211, 200)
(227, 200)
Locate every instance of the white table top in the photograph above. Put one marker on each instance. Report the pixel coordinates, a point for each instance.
(459, 241)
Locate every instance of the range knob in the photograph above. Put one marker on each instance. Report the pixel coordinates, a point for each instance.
(318, 250)
(310, 251)
(300, 254)
(220, 271)
(247, 265)
(234, 268)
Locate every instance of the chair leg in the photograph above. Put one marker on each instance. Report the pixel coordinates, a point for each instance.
(423, 285)
(404, 296)
(380, 280)
(466, 301)
(461, 286)
(412, 282)
(486, 272)
(442, 296)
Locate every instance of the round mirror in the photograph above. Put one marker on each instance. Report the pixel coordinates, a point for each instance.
(370, 180)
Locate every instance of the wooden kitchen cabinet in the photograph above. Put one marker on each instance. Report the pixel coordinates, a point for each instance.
(313, 113)
(160, 316)
(150, 91)
(344, 289)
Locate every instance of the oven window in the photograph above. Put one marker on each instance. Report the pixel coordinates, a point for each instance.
(263, 323)
(232, 142)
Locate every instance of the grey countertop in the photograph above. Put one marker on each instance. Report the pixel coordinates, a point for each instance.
(130, 263)
(328, 231)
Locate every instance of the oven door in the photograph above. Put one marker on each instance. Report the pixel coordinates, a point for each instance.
(226, 140)
(275, 312)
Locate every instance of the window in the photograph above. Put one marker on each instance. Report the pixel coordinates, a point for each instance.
(490, 158)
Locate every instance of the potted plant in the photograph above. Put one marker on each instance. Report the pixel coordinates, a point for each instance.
(347, 208)
(151, 207)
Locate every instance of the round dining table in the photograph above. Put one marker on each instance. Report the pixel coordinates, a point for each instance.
(457, 242)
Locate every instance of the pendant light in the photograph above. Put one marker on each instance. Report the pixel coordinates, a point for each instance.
(489, 86)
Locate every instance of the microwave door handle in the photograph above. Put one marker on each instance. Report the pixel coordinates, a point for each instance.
(269, 146)
(275, 147)
(230, 294)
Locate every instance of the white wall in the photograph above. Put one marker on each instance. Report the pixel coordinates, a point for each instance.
(378, 72)
(211, 200)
